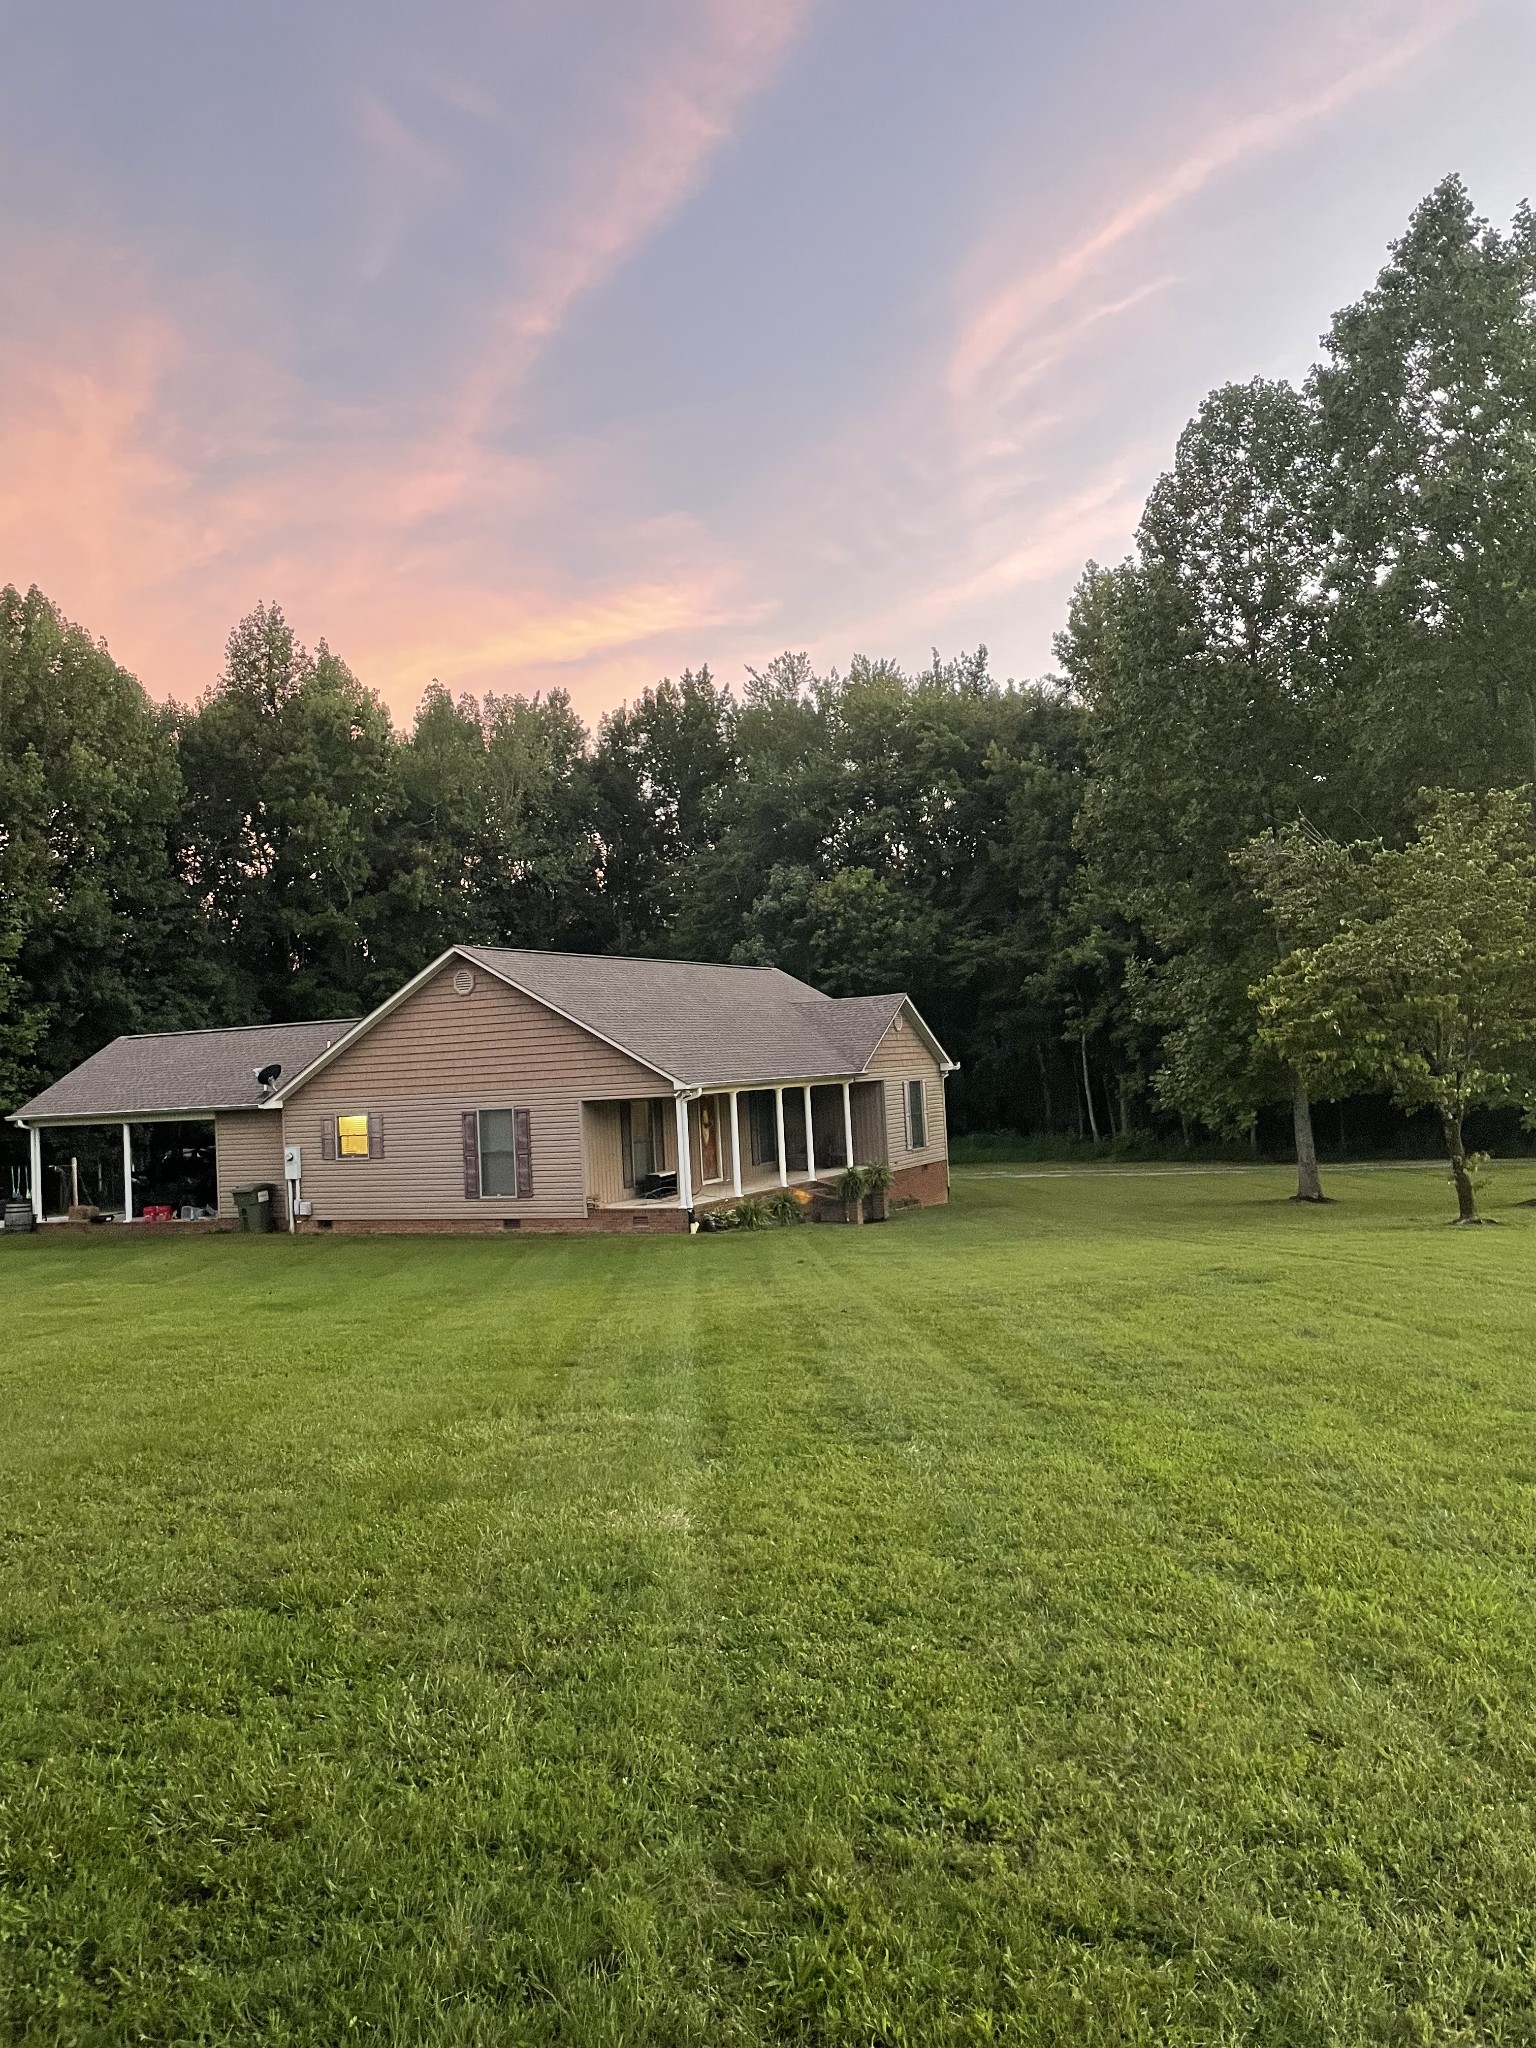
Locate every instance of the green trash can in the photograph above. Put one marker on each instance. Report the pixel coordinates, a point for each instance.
(253, 1205)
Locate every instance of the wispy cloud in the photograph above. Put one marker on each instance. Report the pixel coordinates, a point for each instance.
(984, 348)
(627, 181)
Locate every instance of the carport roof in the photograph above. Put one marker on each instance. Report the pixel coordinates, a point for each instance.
(191, 1073)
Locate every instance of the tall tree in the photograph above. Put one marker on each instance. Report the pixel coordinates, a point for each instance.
(1201, 665)
(662, 774)
(293, 795)
(98, 934)
(1427, 408)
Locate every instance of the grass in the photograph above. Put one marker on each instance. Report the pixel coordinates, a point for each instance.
(1100, 1613)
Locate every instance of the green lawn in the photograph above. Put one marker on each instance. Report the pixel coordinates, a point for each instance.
(1099, 1613)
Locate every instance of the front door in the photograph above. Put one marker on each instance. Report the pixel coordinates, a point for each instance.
(709, 1138)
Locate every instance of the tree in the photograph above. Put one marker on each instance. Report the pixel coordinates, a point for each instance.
(1426, 405)
(1426, 988)
(293, 807)
(661, 775)
(1200, 663)
(98, 933)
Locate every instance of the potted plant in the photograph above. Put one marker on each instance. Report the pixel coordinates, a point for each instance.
(877, 1180)
(850, 1189)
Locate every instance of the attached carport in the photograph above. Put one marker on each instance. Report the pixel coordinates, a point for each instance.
(182, 1091)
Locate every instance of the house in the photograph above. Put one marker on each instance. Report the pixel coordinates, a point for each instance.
(559, 1091)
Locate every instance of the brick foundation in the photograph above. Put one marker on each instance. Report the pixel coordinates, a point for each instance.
(597, 1223)
(912, 1187)
(925, 1187)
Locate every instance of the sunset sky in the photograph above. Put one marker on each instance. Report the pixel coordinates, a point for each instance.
(530, 343)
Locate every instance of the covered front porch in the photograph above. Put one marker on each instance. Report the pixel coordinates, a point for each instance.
(702, 1147)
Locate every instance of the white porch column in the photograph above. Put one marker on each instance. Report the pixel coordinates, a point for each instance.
(810, 1138)
(127, 1174)
(778, 1110)
(36, 1137)
(684, 1156)
(735, 1146)
(847, 1126)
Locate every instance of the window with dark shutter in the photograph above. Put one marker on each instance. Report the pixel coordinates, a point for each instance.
(471, 1157)
(522, 1124)
(375, 1136)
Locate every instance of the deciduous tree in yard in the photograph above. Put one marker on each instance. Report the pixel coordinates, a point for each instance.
(1426, 988)
(1201, 665)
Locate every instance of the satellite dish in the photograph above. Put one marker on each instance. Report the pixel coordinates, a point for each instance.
(266, 1077)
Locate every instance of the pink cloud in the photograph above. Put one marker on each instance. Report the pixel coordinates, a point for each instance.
(159, 472)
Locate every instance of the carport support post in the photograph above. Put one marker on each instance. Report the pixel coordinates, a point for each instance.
(37, 1172)
(684, 1156)
(810, 1137)
(778, 1111)
(127, 1173)
(735, 1146)
(847, 1126)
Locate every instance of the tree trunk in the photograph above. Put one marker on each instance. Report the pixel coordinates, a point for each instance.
(1093, 1120)
(1125, 1108)
(1309, 1187)
(1045, 1088)
(1466, 1200)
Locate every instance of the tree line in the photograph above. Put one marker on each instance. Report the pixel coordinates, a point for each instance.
(1330, 609)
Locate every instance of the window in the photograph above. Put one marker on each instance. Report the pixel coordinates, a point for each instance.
(498, 1153)
(355, 1136)
(917, 1115)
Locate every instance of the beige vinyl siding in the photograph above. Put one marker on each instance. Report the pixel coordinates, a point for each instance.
(605, 1152)
(902, 1056)
(248, 1146)
(866, 1099)
(422, 1067)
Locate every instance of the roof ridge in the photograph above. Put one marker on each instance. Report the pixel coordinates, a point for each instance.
(221, 1030)
(884, 995)
(628, 959)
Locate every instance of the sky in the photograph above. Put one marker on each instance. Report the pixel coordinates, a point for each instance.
(524, 344)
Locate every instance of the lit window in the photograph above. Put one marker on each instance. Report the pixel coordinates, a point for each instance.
(498, 1153)
(352, 1137)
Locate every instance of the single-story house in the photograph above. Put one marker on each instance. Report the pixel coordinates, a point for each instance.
(503, 1089)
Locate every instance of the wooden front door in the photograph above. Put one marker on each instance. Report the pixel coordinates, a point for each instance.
(709, 1138)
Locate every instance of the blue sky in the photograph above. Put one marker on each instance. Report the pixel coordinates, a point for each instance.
(535, 344)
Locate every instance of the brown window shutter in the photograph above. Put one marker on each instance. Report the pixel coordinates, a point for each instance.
(520, 1126)
(471, 1156)
(328, 1138)
(375, 1136)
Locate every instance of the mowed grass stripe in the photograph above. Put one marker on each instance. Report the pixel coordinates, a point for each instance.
(1090, 1615)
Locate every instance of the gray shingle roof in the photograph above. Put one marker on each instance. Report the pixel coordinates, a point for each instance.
(700, 1023)
(192, 1071)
